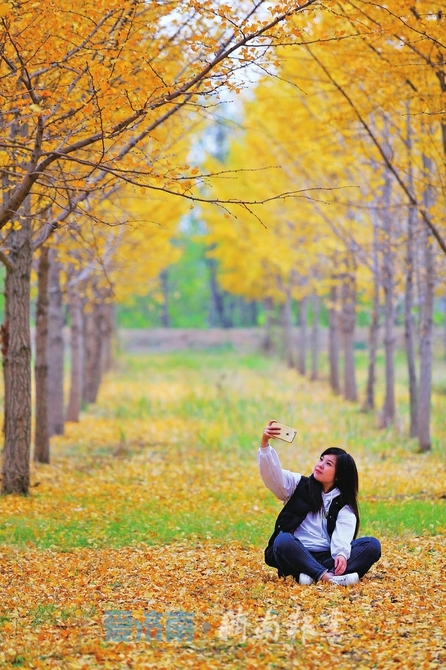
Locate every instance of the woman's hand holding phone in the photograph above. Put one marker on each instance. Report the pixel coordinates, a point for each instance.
(274, 430)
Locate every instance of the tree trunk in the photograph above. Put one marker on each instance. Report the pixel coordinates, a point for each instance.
(426, 329)
(348, 321)
(369, 403)
(16, 349)
(217, 311)
(267, 342)
(409, 329)
(254, 313)
(333, 342)
(288, 330)
(444, 329)
(93, 334)
(108, 332)
(426, 353)
(165, 319)
(315, 338)
(388, 411)
(55, 351)
(77, 358)
(303, 321)
(41, 435)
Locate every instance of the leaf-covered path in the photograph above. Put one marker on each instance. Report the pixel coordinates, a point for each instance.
(141, 545)
(242, 615)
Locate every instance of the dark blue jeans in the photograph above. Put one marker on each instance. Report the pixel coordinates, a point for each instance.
(292, 557)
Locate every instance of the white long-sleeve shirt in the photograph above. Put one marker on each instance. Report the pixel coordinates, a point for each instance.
(312, 532)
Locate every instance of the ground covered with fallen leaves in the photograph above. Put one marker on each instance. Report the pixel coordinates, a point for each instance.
(141, 544)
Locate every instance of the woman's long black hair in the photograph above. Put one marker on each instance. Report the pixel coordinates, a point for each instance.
(346, 480)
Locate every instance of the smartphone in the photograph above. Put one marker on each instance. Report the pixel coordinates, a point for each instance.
(286, 434)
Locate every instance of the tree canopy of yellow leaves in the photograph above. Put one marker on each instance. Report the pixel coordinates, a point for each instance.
(336, 129)
(85, 89)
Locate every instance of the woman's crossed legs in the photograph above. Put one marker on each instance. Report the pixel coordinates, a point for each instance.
(293, 558)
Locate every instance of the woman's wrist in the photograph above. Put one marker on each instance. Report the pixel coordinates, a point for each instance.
(264, 446)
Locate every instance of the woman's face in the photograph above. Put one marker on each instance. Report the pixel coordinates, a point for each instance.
(325, 471)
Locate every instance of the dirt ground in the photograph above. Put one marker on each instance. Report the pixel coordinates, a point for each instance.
(240, 339)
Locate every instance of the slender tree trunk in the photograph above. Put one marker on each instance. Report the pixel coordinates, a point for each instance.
(165, 319)
(41, 435)
(444, 329)
(267, 342)
(55, 351)
(426, 353)
(315, 338)
(348, 321)
(388, 411)
(93, 352)
(409, 330)
(303, 322)
(229, 312)
(369, 403)
(426, 344)
(77, 358)
(16, 347)
(217, 312)
(254, 313)
(287, 330)
(108, 332)
(333, 342)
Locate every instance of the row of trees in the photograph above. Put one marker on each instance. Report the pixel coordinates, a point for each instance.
(110, 95)
(93, 97)
(368, 135)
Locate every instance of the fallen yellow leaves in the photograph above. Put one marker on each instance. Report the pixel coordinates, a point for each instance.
(168, 458)
(53, 608)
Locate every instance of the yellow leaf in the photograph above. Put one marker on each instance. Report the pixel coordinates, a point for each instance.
(37, 109)
(5, 8)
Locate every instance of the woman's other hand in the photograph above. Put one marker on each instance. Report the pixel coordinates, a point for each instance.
(340, 565)
(271, 431)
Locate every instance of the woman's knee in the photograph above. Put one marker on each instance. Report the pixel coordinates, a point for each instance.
(372, 546)
(282, 542)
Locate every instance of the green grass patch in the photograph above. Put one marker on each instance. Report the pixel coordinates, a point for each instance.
(154, 525)
(403, 517)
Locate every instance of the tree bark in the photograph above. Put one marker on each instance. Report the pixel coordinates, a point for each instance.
(217, 312)
(388, 411)
(77, 358)
(41, 434)
(108, 332)
(333, 342)
(444, 329)
(16, 349)
(303, 321)
(254, 313)
(267, 342)
(165, 319)
(369, 403)
(426, 344)
(426, 352)
(348, 321)
(55, 351)
(287, 330)
(315, 338)
(93, 341)
(409, 329)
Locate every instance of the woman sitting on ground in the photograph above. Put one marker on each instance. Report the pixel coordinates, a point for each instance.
(313, 538)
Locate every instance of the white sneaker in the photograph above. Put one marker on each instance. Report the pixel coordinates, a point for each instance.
(345, 580)
(305, 580)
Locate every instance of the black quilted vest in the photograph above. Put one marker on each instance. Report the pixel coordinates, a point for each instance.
(294, 512)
